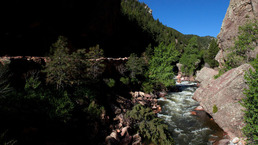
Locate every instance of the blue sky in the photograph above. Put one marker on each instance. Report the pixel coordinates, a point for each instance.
(199, 17)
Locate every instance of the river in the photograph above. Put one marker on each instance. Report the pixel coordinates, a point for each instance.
(188, 129)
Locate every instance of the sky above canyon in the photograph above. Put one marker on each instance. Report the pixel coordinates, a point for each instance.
(199, 17)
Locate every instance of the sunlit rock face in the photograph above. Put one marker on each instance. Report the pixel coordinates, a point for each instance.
(225, 93)
(238, 13)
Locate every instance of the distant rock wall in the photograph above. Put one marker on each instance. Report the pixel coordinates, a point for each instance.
(238, 13)
(225, 93)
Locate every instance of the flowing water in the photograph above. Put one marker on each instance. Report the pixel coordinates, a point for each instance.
(188, 129)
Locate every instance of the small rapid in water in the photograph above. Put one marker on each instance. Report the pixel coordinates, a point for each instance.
(188, 129)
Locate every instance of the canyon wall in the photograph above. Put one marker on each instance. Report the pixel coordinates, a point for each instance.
(238, 13)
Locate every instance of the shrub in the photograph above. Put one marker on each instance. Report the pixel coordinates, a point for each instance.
(215, 109)
(149, 126)
(245, 43)
(251, 105)
(125, 80)
(110, 82)
(147, 87)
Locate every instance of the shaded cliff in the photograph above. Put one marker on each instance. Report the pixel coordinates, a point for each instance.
(238, 13)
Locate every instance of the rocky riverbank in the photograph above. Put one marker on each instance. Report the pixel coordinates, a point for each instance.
(220, 98)
(121, 126)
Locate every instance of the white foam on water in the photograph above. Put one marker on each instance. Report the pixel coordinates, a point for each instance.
(197, 131)
(176, 111)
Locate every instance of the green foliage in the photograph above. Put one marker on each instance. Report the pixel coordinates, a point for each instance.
(77, 68)
(95, 65)
(251, 105)
(62, 107)
(32, 80)
(135, 65)
(148, 53)
(149, 126)
(125, 80)
(147, 87)
(215, 109)
(110, 82)
(245, 43)
(191, 57)
(161, 64)
(4, 85)
(138, 12)
(210, 54)
(82, 92)
(94, 110)
(57, 103)
(56, 69)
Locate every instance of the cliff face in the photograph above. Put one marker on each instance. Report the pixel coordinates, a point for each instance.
(238, 13)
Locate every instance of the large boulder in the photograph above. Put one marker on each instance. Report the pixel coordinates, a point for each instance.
(205, 75)
(238, 13)
(224, 93)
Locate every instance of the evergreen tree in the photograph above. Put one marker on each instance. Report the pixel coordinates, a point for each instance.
(210, 54)
(80, 67)
(150, 126)
(135, 65)
(56, 69)
(191, 57)
(161, 64)
(245, 43)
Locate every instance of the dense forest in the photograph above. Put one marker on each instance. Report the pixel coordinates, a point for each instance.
(66, 100)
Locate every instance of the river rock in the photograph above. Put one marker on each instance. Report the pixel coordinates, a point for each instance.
(238, 13)
(223, 142)
(124, 130)
(137, 139)
(225, 93)
(235, 140)
(199, 108)
(205, 75)
(193, 113)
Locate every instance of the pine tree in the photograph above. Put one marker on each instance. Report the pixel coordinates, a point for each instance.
(210, 54)
(161, 64)
(191, 57)
(56, 69)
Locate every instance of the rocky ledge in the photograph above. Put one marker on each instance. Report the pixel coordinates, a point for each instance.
(220, 98)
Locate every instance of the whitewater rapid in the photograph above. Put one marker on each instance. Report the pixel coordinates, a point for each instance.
(187, 129)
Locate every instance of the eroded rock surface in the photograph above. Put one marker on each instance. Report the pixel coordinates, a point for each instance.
(225, 93)
(205, 75)
(238, 13)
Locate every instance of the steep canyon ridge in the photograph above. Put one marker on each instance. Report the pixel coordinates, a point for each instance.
(225, 92)
(238, 13)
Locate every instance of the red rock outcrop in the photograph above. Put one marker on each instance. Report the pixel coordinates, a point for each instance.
(205, 75)
(225, 93)
(238, 13)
